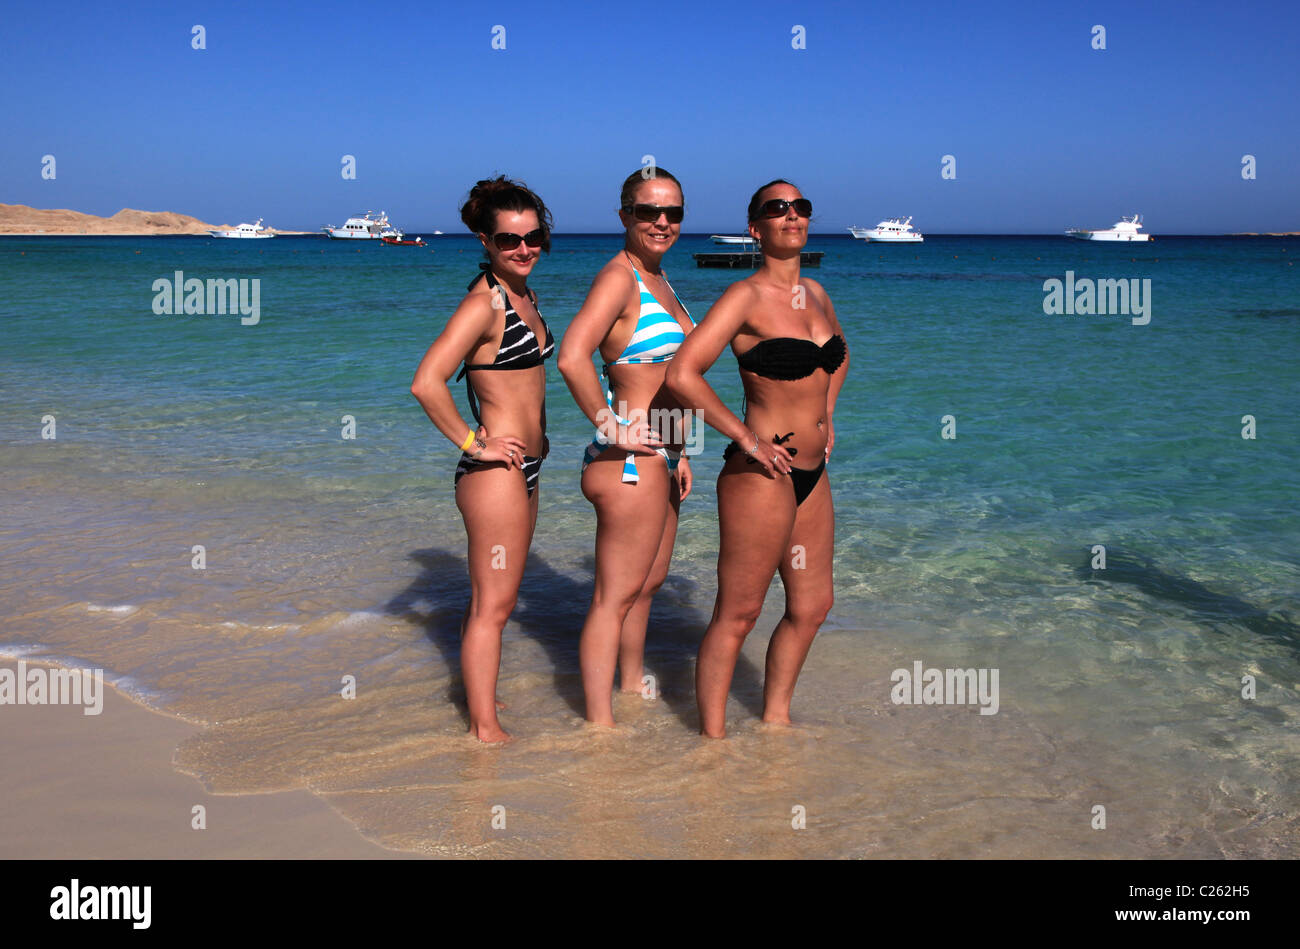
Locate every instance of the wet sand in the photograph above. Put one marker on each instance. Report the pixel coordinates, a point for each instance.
(79, 786)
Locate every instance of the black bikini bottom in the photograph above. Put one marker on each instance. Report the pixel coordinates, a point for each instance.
(532, 469)
(802, 480)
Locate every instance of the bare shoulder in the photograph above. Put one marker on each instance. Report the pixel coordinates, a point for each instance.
(479, 307)
(815, 287)
(616, 272)
(743, 293)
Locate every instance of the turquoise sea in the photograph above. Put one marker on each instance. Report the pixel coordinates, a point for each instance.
(1162, 688)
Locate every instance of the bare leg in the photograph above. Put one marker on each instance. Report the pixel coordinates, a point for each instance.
(629, 527)
(499, 518)
(806, 572)
(631, 643)
(755, 516)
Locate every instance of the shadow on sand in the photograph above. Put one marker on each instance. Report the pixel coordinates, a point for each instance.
(551, 609)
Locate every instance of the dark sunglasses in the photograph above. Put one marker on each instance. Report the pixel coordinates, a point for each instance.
(504, 240)
(778, 207)
(649, 213)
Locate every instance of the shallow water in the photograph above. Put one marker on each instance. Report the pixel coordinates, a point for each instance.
(329, 557)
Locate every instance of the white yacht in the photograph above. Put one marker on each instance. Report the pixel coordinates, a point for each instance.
(730, 239)
(895, 230)
(364, 228)
(245, 230)
(1126, 229)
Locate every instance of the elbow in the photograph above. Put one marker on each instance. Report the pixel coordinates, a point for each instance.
(570, 365)
(676, 379)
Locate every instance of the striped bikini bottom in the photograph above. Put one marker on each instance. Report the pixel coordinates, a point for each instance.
(532, 469)
(630, 474)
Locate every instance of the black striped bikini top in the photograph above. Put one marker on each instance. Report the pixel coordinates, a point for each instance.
(518, 349)
(788, 358)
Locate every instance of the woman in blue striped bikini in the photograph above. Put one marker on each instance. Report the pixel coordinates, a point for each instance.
(633, 472)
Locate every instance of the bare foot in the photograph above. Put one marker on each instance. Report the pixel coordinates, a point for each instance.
(774, 718)
(501, 705)
(492, 734)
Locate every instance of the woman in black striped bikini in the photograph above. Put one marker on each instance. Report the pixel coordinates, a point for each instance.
(499, 334)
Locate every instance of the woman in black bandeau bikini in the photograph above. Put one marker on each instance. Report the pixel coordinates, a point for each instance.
(498, 332)
(774, 497)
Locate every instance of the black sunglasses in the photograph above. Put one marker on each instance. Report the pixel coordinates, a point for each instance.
(504, 240)
(778, 207)
(649, 213)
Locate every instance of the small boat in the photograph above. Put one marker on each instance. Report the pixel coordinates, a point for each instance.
(253, 231)
(730, 239)
(400, 240)
(365, 228)
(1125, 229)
(894, 230)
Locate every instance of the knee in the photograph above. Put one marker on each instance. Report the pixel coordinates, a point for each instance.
(619, 602)
(653, 583)
(736, 622)
(492, 609)
(811, 613)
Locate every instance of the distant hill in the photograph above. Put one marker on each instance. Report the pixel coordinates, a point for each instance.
(20, 219)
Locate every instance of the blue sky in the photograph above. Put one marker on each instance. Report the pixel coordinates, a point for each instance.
(1046, 131)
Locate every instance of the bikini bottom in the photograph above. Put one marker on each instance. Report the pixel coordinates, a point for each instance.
(803, 480)
(630, 474)
(532, 469)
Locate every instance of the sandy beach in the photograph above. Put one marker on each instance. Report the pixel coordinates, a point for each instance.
(103, 787)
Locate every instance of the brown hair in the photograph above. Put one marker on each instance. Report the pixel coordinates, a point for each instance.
(627, 196)
(755, 204)
(491, 195)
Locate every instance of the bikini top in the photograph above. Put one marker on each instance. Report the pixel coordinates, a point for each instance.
(788, 358)
(518, 349)
(657, 335)
(657, 338)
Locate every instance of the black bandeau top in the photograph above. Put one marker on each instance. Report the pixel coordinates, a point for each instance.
(788, 358)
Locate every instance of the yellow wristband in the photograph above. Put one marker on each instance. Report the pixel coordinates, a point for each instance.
(469, 440)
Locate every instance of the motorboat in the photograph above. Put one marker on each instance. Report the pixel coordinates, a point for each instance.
(1126, 229)
(363, 228)
(253, 231)
(891, 231)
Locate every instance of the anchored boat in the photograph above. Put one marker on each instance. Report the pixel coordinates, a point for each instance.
(892, 230)
(253, 231)
(363, 228)
(1126, 229)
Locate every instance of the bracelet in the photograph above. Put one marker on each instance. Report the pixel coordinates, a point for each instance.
(469, 440)
(754, 450)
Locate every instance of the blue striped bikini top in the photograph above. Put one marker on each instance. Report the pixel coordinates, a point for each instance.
(657, 334)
